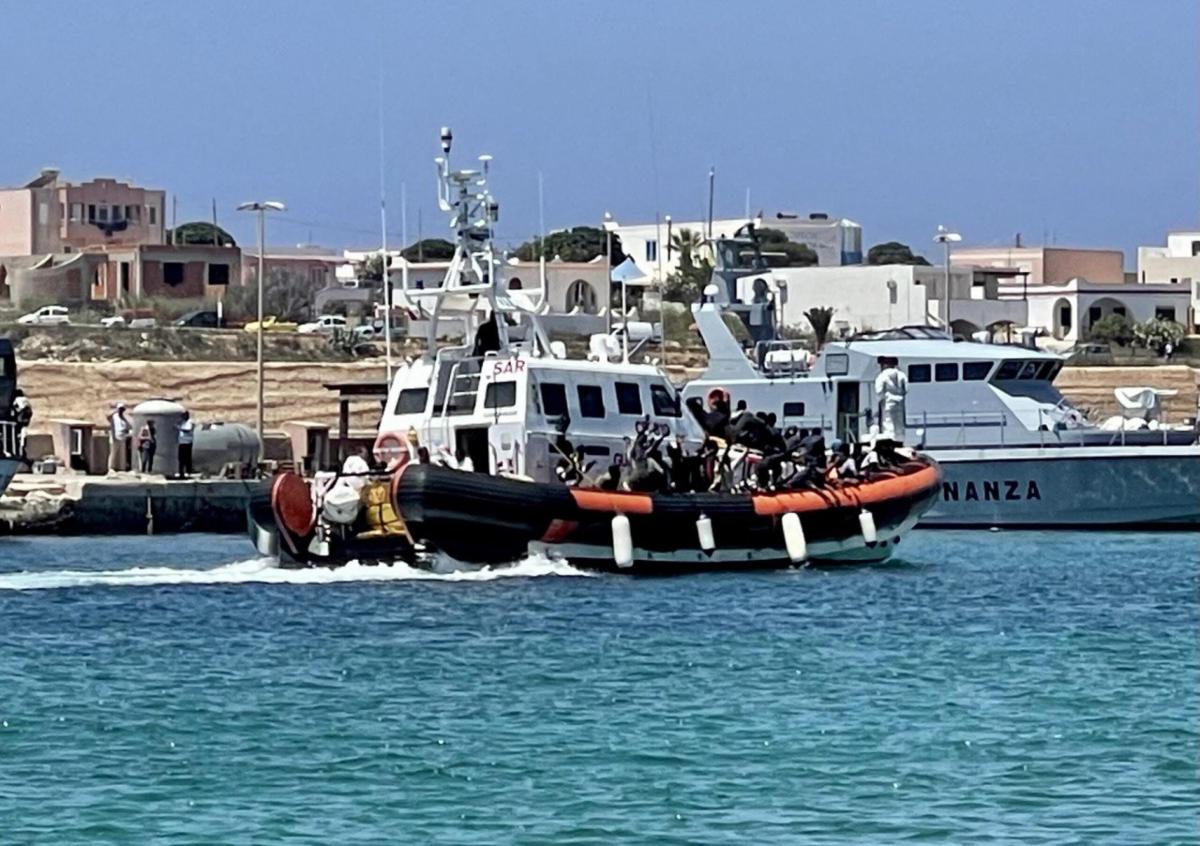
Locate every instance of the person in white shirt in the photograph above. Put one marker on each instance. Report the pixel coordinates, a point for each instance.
(891, 389)
(119, 431)
(185, 431)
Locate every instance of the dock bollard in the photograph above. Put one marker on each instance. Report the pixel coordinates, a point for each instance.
(622, 540)
(793, 538)
(149, 515)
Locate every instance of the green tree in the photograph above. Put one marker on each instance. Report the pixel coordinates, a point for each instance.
(819, 319)
(893, 252)
(779, 251)
(1154, 334)
(427, 249)
(687, 243)
(686, 283)
(581, 243)
(1112, 329)
(200, 232)
(372, 268)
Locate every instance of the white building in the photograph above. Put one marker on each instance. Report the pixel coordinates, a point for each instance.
(649, 244)
(1178, 263)
(1067, 311)
(866, 297)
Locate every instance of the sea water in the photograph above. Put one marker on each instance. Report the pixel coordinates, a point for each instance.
(984, 687)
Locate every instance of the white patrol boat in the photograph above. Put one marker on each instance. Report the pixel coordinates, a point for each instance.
(1013, 450)
(507, 404)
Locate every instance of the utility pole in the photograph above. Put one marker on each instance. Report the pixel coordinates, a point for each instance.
(261, 209)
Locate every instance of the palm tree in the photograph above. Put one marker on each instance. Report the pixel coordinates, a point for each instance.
(686, 243)
(819, 318)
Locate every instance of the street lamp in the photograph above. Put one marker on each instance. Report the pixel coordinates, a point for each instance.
(261, 208)
(945, 237)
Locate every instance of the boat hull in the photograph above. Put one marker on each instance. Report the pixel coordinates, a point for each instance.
(8, 469)
(485, 519)
(1068, 487)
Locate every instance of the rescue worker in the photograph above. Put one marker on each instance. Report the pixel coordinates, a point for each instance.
(891, 390)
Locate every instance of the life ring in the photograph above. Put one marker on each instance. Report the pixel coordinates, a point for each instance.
(392, 450)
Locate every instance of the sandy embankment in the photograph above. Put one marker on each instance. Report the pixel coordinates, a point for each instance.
(295, 390)
(224, 391)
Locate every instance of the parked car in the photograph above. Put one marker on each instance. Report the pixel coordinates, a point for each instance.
(46, 316)
(272, 324)
(326, 324)
(130, 319)
(198, 320)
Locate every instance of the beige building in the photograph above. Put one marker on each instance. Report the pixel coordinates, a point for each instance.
(48, 215)
(1048, 265)
(1177, 263)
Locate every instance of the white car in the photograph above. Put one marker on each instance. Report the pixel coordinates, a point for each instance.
(45, 316)
(326, 324)
(118, 321)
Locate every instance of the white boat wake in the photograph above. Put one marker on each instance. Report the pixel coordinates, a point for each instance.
(265, 571)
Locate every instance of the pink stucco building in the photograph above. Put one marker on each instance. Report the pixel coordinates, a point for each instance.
(49, 215)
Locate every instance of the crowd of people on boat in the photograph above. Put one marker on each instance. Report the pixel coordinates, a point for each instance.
(742, 451)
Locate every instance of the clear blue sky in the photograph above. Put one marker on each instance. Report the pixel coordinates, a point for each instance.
(1077, 119)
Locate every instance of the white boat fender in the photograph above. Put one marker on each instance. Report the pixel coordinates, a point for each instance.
(793, 538)
(866, 522)
(342, 503)
(622, 540)
(704, 530)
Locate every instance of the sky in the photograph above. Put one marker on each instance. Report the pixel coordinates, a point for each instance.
(1074, 122)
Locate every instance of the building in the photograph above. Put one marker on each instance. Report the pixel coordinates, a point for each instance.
(866, 297)
(125, 274)
(1048, 265)
(316, 266)
(48, 215)
(1178, 263)
(836, 241)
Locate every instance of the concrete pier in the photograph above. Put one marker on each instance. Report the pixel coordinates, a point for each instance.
(126, 503)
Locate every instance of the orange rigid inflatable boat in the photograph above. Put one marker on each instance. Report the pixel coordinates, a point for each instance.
(484, 519)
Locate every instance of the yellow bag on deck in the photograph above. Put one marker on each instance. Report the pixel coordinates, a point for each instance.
(381, 518)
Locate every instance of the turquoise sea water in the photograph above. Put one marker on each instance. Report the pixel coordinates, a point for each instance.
(987, 687)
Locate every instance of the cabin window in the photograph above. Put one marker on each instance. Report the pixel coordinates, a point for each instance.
(976, 371)
(500, 395)
(837, 364)
(591, 401)
(1046, 371)
(1029, 370)
(666, 403)
(554, 399)
(947, 371)
(412, 401)
(793, 409)
(919, 373)
(1008, 370)
(629, 398)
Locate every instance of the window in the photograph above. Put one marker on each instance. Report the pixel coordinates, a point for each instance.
(118, 213)
(629, 398)
(129, 212)
(500, 395)
(1008, 369)
(1046, 371)
(1119, 310)
(76, 211)
(172, 273)
(976, 371)
(918, 372)
(665, 402)
(1196, 248)
(412, 401)
(43, 214)
(793, 409)
(591, 401)
(837, 364)
(554, 399)
(581, 297)
(137, 213)
(652, 251)
(1164, 313)
(218, 274)
(102, 214)
(152, 211)
(1029, 370)
(947, 371)
(91, 213)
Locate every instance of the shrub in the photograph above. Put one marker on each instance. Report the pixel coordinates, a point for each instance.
(1112, 328)
(1154, 334)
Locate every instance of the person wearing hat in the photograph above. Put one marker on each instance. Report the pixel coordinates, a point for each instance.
(119, 430)
(891, 390)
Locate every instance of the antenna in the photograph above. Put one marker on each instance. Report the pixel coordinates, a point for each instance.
(542, 237)
(385, 259)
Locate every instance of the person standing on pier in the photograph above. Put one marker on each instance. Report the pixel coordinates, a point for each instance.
(186, 434)
(119, 430)
(891, 389)
(22, 415)
(147, 445)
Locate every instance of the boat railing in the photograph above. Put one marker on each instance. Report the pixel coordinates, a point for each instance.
(9, 446)
(1116, 437)
(962, 421)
